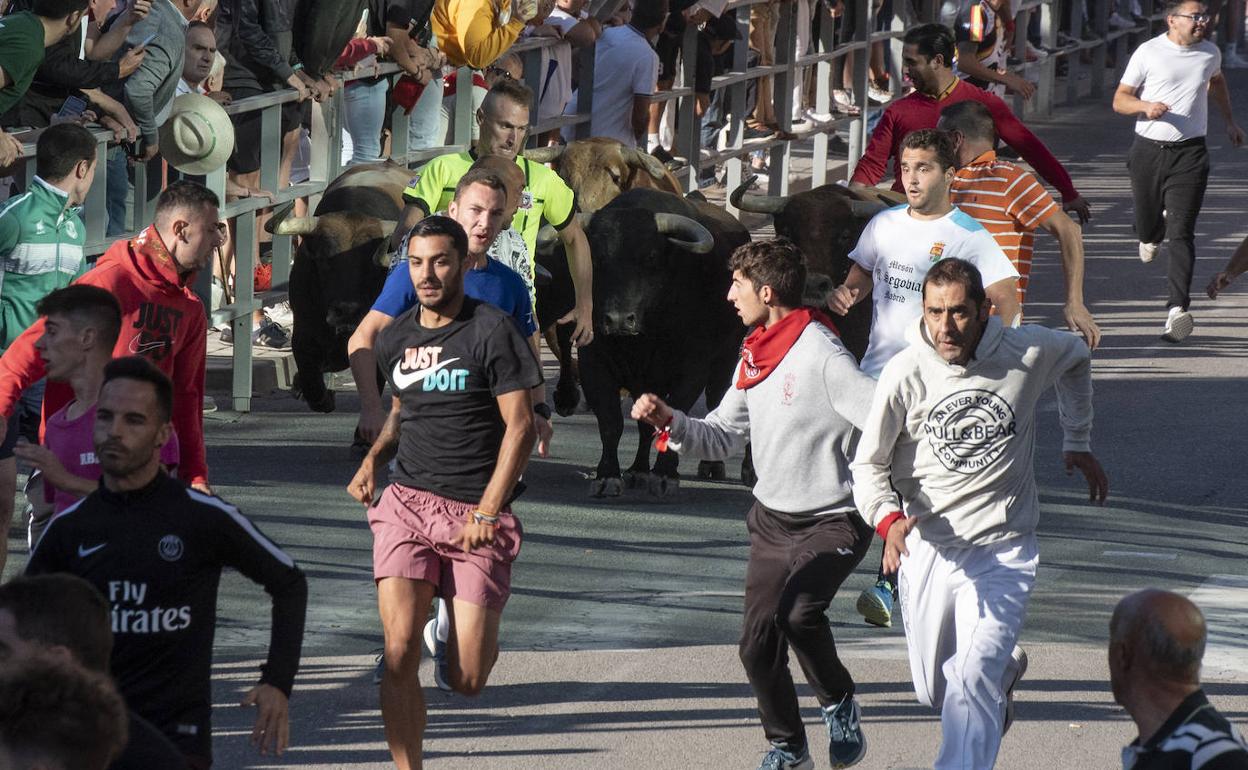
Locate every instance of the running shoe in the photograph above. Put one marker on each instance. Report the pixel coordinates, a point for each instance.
(379, 667)
(270, 335)
(437, 653)
(846, 743)
(1148, 251)
(1019, 655)
(1179, 325)
(876, 604)
(877, 94)
(780, 758)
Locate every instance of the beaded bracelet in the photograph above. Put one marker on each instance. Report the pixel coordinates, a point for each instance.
(481, 517)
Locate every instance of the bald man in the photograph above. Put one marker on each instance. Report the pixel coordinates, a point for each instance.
(1156, 642)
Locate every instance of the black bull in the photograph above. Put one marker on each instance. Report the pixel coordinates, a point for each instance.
(338, 270)
(662, 323)
(825, 224)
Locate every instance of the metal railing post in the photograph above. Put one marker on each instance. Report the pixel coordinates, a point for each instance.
(858, 134)
(780, 154)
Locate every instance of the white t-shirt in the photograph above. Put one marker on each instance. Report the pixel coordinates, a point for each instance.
(1177, 75)
(625, 65)
(898, 250)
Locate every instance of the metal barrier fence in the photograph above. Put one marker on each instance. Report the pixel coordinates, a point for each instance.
(1086, 48)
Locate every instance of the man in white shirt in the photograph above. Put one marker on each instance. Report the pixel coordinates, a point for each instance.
(201, 51)
(895, 251)
(1166, 88)
(626, 69)
(945, 473)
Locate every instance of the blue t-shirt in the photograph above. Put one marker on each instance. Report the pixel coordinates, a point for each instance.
(495, 284)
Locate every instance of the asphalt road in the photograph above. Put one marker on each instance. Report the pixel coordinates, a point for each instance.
(619, 640)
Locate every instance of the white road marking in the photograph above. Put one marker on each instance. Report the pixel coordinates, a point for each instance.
(1141, 555)
(1224, 601)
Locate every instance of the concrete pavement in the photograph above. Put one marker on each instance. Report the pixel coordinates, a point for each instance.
(619, 641)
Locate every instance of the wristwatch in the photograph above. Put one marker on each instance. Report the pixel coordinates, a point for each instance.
(543, 410)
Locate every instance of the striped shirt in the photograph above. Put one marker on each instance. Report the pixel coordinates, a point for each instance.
(1009, 202)
(1195, 737)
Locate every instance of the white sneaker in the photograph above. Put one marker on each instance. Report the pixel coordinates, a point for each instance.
(1148, 251)
(843, 101)
(877, 94)
(1179, 325)
(802, 126)
(281, 314)
(1019, 655)
(819, 117)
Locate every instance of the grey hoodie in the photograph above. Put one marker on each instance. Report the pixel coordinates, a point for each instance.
(958, 442)
(802, 422)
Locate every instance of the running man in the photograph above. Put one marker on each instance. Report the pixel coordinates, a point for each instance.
(1166, 87)
(1011, 203)
(155, 548)
(799, 394)
(461, 429)
(945, 473)
(895, 251)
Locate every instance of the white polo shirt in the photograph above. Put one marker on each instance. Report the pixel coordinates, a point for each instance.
(625, 65)
(898, 250)
(1177, 75)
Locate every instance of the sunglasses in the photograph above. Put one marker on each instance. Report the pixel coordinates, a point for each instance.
(1197, 18)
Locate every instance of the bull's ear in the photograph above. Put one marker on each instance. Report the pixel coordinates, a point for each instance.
(639, 158)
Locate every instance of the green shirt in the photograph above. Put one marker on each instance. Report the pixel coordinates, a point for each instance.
(21, 53)
(546, 196)
(41, 241)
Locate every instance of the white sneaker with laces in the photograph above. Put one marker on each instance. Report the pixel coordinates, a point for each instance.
(1179, 325)
(877, 94)
(1148, 251)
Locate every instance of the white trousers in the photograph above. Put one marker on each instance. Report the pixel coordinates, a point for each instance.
(963, 608)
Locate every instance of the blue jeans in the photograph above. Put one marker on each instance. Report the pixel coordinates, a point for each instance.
(116, 190)
(364, 107)
(426, 118)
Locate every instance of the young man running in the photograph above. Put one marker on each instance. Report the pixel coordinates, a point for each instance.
(945, 473)
(894, 253)
(155, 548)
(1166, 87)
(461, 429)
(1011, 203)
(799, 395)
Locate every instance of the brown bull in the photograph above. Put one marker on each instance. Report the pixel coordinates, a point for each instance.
(599, 169)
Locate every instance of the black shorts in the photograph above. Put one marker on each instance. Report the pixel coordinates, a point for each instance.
(246, 156)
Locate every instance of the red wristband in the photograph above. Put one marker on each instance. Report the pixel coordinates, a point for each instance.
(882, 528)
(664, 435)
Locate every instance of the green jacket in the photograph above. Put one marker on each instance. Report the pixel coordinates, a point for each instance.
(41, 240)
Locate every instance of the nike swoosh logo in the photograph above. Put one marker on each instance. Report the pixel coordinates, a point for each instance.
(84, 552)
(403, 381)
(142, 348)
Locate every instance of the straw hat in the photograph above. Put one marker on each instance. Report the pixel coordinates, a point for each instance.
(198, 137)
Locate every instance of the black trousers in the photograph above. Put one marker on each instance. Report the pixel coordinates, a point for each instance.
(797, 563)
(1170, 177)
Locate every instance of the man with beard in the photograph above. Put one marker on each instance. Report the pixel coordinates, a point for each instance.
(460, 429)
(155, 549)
(945, 473)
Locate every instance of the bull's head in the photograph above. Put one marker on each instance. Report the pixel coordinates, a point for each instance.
(744, 200)
(599, 169)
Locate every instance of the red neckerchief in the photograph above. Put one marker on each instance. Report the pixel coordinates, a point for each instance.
(764, 348)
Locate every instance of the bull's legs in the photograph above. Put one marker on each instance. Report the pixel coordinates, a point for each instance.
(603, 395)
(638, 473)
(309, 354)
(567, 396)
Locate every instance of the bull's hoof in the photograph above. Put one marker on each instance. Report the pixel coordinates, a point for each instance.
(712, 469)
(566, 401)
(613, 487)
(636, 479)
(748, 476)
(663, 487)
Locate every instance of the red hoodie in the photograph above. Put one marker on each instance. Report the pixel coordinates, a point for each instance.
(161, 320)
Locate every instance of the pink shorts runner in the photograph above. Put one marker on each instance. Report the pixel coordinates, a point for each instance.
(413, 532)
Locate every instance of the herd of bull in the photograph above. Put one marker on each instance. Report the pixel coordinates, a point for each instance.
(662, 323)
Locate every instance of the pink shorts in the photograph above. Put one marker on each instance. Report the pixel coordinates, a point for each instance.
(412, 534)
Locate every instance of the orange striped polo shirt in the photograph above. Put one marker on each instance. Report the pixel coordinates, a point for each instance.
(1009, 202)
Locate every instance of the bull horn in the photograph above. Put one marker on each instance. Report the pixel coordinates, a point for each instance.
(545, 154)
(759, 204)
(693, 236)
(382, 255)
(295, 226)
(279, 216)
(653, 166)
(866, 209)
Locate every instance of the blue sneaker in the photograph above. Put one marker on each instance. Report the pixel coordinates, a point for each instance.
(876, 604)
(846, 743)
(437, 653)
(780, 758)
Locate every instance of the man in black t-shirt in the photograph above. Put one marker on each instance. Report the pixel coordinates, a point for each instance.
(155, 549)
(462, 427)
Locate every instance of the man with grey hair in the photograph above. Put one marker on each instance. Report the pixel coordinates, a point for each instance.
(1156, 642)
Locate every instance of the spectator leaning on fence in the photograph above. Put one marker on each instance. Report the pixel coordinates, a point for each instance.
(41, 240)
(151, 89)
(23, 38)
(927, 58)
(201, 54)
(474, 33)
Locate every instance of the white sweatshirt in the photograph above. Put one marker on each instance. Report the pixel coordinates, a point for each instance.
(957, 442)
(802, 422)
